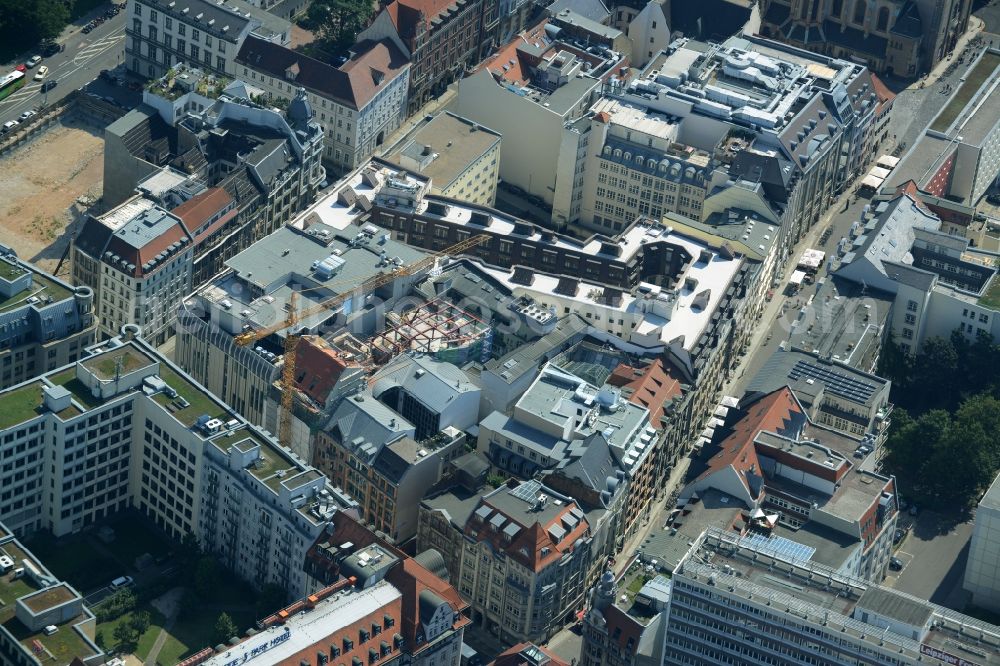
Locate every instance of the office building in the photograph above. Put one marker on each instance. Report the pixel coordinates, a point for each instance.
(46, 322)
(323, 253)
(813, 116)
(387, 608)
(905, 39)
(833, 393)
(41, 614)
(138, 258)
(208, 35)
(434, 616)
(536, 539)
(728, 587)
(786, 479)
(359, 103)
(535, 91)
(559, 413)
(132, 431)
(957, 157)
(984, 553)
(459, 157)
(441, 39)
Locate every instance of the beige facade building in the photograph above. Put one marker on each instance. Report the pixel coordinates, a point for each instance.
(460, 157)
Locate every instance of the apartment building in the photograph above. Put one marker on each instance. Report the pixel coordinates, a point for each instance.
(214, 170)
(617, 636)
(359, 104)
(440, 38)
(786, 479)
(323, 254)
(728, 586)
(560, 412)
(370, 450)
(160, 35)
(132, 430)
(905, 39)
(35, 600)
(434, 616)
(535, 91)
(460, 158)
(138, 259)
(521, 554)
(46, 323)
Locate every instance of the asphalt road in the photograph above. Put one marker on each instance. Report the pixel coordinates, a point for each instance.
(935, 553)
(78, 64)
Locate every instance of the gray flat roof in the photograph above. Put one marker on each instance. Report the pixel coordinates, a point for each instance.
(887, 603)
(455, 141)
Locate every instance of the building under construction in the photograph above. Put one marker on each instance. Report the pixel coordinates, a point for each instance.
(438, 328)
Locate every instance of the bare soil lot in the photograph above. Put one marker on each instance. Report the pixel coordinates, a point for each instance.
(41, 183)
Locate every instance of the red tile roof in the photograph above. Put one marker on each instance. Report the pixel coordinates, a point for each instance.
(202, 207)
(406, 13)
(411, 578)
(885, 96)
(649, 387)
(318, 367)
(771, 413)
(512, 656)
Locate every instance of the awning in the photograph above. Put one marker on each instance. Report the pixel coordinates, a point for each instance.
(879, 172)
(873, 182)
(812, 259)
(797, 277)
(888, 162)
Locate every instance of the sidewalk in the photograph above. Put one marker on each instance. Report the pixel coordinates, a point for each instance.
(976, 26)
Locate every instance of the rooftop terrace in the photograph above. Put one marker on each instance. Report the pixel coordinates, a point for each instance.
(43, 288)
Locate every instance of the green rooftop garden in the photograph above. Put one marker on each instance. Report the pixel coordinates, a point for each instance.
(53, 596)
(199, 402)
(19, 405)
(975, 79)
(106, 365)
(9, 271)
(41, 288)
(991, 294)
(65, 644)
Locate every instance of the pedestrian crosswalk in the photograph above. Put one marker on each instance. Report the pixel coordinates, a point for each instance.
(96, 48)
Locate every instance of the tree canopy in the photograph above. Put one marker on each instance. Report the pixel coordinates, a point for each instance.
(944, 439)
(24, 23)
(340, 21)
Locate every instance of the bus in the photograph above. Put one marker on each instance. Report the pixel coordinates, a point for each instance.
(12, 82)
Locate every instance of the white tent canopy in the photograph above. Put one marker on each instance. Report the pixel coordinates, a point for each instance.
(797, 277)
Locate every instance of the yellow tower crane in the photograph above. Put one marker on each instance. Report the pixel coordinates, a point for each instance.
(294, 316)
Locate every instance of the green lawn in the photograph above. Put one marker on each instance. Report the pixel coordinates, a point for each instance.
(145, 643)
(199, 402)
(637, 583)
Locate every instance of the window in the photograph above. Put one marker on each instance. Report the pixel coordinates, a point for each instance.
(859, 11)
(138, 9)
(907, 334)
(153, 16)
(911, 319)
(168, 23)
(912, 306)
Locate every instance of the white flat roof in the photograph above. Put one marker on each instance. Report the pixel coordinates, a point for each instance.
(301, 631)
(124, 213)
(640, 120)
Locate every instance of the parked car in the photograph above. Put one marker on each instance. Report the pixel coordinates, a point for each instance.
(22, 68)
(48, 85)
(27, 114)
(51, 48)
(121, 581)
(898, 535)
(895, 564)
(33, 60)
(42, 71)
(9, 125)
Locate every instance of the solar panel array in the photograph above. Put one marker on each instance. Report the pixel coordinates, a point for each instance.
(779, 547)
(838, 383)
(528, 491)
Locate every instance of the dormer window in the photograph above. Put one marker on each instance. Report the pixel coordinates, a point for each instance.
(292, 71)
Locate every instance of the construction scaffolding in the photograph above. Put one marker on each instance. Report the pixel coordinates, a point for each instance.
(439, 328)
